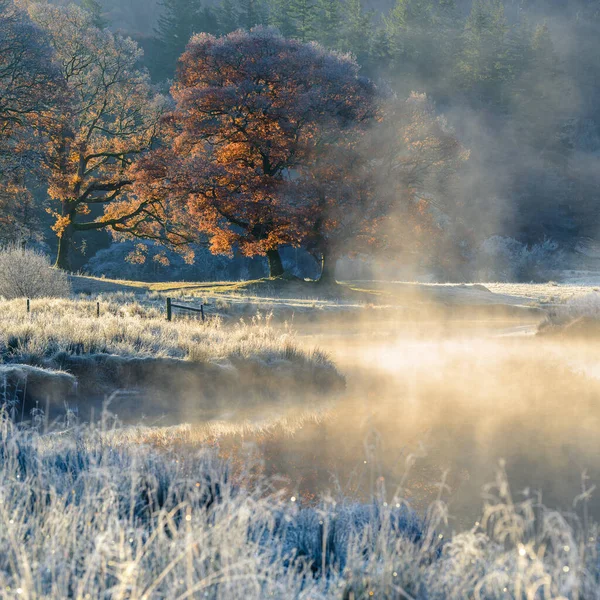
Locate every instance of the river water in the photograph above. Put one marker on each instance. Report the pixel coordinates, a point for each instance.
(447, 401)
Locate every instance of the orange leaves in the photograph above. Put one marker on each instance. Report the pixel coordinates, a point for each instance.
(112, 118)
(253, 112)
(138, 255)
(61, 223)
(31, 92)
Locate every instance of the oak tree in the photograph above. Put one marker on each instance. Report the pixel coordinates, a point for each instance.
(112, 118)
(31, 92)
(381, 188)
(254, 114)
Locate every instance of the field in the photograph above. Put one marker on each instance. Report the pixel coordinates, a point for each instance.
(386, 440)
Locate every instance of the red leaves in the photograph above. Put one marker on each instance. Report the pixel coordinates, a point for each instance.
(253, 112)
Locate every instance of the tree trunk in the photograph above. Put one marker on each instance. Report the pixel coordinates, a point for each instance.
(328, 264)
(63, 256)
(275, 264)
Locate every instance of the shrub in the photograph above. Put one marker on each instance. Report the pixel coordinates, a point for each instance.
(152, 262)
(583, 310)
(506, 259)
(28, 273)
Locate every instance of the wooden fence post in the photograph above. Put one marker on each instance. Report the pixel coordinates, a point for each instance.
(28, 306)
(98, 309)
(202, 311)
(169, 309)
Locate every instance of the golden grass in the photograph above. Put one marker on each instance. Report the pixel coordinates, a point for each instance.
(129, 328)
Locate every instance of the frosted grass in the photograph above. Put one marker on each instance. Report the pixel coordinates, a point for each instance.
(83, 518)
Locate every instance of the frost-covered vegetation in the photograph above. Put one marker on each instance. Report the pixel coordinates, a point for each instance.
(578, 317)
(132, 329)
(587, 306)
(153, 262)
(506, 259)
(185, 369)
(84, 518)
(517, 86)
(28, 273)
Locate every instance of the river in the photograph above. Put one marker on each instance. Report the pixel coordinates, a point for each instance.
(435, 401)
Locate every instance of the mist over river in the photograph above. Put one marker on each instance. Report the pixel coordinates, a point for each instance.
(441, 399)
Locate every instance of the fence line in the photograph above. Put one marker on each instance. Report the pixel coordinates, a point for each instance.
(170, 306)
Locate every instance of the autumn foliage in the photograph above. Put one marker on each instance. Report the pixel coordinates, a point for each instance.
(266, 142)
(31, 93)
(110, 118)
(254, 115)
(274, 142)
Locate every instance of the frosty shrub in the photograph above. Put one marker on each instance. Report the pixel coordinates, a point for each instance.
(28, 273)
(583, 309)
(151, 262)
(506, 259)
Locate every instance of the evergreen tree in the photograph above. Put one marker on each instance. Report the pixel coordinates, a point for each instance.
(420, 40)
(95, 9)
(330, 23)
(252, 13)
(394, 25)
(542, 96)
(518, 49)
(483, 64)
(380, 55)
(179, 20)
(358, 30)
(280, 18)
(228, 16)
(304, 14)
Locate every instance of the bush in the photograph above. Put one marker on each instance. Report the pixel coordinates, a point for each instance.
(506, 259)
(28, 273)
(583, 311)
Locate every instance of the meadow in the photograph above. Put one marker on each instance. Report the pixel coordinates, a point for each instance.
(131, 349)
(352, 454)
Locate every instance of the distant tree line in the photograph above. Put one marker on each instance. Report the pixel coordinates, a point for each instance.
(518, 80)
(428, 45)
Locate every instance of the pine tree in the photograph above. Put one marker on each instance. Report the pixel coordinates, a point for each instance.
(394, 25)
(358, 30)
(304, 14)
(179, 20)
(483, 64)
(94, 7)
(380, 55)
(518, 48)
(330, 23)
(542, 95)
(419, 36)
(252, 13)
(280, 18)
(228, 16)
